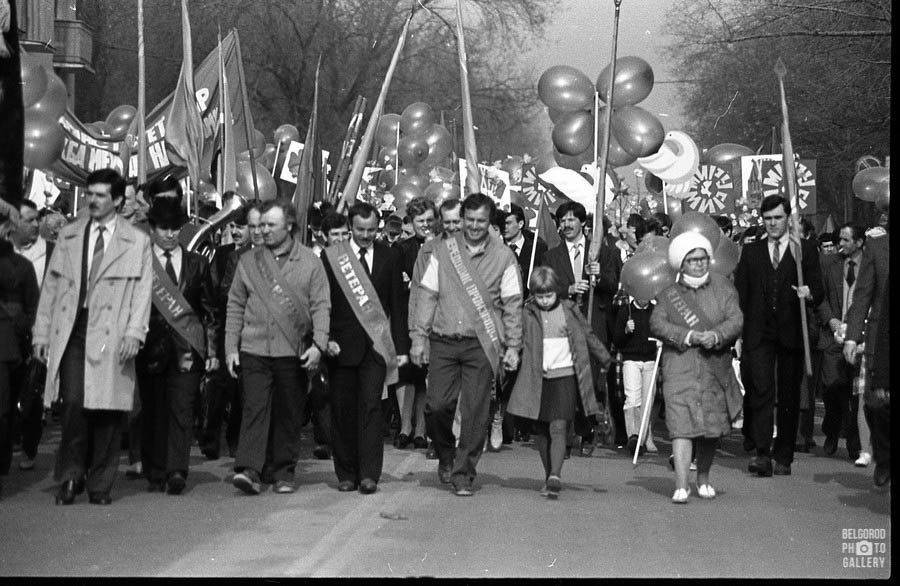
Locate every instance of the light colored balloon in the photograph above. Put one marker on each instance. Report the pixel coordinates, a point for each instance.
(285, 134)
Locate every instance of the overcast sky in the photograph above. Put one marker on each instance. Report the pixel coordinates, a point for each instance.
(580, 35)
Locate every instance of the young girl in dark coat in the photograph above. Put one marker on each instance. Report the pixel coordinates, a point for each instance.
(556, 371)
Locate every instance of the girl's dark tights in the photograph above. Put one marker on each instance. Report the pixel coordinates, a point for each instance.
(550, 440)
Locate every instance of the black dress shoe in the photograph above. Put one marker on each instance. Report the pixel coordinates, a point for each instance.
(346, 486)
(420, 443)
(749, 444)
(445, 470)
(882, 475)
(156, 486)
(402, 441)
(803, 448)
(782, 469)
(210, 453)
(761, 466)
(175, 483)
(632, 445)
(321, 452)
(367, 486)
(830, 446)
(99, 498)
(67, 492)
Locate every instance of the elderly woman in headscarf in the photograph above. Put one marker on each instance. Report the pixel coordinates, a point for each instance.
(698, 319)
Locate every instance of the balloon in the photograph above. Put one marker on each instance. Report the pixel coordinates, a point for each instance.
(644, 276)
(416, 118)
(53, 103)
(868, 182)
(413, 150)
(634, 80)
(43, 140)
(285, 134)
(674, 209)
(637, 130)
(267, 188)
(387, 155)
(440, 191)
(556, 115)
(416, 180)
(119, 120)
(617, 156)
(569, 162)
(99, 128)
(573, 133)
(565, 88)
(34, 80)
(883, 199)
(653, 183)
(725, 257)
(724, 153)
(386, 130)
(258, 142)
(404, 193)
(267, 158)
(700, 223)
(653, 243)
(440, 143)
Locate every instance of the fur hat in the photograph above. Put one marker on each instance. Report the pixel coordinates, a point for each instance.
(681, 245)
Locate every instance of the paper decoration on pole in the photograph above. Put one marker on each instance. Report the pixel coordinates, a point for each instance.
(712, 191)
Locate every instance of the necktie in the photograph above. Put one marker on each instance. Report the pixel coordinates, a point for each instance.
(776, 257)
(97, 258)
(515, 249)
(362, 259)
(851, 273)
(170, 268)
(576, 261)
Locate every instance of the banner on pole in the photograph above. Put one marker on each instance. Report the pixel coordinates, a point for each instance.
(763, 175)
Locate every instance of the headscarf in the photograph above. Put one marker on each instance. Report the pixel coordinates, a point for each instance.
(680, 246)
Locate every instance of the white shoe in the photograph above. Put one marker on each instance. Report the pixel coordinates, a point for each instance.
(706, 491)
(651, 447)
(865, 458)
(497, 432)
(680, 496)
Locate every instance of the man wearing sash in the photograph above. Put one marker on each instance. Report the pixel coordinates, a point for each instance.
(469, 308)
(368, 324)
(180, 347)
(276, 329)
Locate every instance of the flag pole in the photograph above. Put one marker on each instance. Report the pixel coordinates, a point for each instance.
(597, 237)
(142, 105)
(473, 178)
(534, 242)
(245, 106)
(790, 180)
(368, 138)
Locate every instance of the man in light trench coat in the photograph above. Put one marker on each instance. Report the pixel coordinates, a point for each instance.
(92, 318)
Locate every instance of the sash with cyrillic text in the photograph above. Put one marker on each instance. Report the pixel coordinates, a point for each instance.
(289, 312)
(473, 296)
(357, 287)
(178, 313)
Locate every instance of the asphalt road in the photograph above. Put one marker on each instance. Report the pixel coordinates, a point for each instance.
(611, 520)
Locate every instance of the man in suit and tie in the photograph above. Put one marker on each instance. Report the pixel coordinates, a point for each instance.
(369, 326)
(180, 347)
(839, 279)
(573, 267)
(92, 318)
(521, 241)
(766, 281)
(872, 301)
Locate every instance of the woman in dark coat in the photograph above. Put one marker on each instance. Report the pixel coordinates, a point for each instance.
(555, 375)
(18, 304)
(698, 319)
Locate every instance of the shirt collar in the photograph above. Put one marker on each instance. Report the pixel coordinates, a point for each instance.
(518, 242)
(783, 241)
(109, 226)
(356, 247)
(580, 241)
(855, 257)
(158, 251)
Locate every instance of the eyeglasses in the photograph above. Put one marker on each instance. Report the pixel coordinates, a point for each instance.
(697, 260)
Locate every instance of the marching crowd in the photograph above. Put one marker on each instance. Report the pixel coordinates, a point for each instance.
(453, 329)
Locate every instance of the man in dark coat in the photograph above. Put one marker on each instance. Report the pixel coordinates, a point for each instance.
(180, 347)
(521, 241)
(359, 371)
(873, 298)
(766, 281)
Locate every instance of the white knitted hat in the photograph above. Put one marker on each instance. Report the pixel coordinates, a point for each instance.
(681, 245)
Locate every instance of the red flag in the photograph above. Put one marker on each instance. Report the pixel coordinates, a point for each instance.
(310, 166)
(184, 125)
(226, 170)
(546, 227)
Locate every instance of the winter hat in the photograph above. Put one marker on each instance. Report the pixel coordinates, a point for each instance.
(681, 245)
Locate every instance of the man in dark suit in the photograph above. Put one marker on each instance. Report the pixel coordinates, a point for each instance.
(521, 241)
(180, 347)
(766, 281)
(839, 274)
(372, 339)
(872, 298)
(570, 262)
